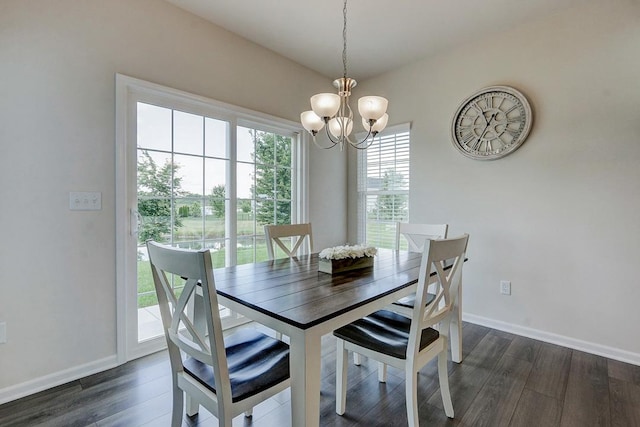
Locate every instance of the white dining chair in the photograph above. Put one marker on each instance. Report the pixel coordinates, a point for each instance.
(297, 233)
(227, 375)
(409, 343)
(415, 236)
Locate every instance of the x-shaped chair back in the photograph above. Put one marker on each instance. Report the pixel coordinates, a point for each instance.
(227, 375)
(298, 233)
(417, 234)
(444, 257)
(195, 269)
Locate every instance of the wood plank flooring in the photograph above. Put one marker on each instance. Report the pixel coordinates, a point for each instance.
(504, 380)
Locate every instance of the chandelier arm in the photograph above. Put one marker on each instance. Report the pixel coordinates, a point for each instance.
(346, 103)
(365, 140)
(366, 146)
(333, 143)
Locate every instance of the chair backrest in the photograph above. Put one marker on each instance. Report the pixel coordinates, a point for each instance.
(297, 232)
(445, 257)
(417, 234)
(194, 269)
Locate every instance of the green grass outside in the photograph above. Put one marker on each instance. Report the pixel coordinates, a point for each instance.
(192, 231)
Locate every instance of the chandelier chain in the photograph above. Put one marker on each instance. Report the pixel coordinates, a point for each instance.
(344, 40)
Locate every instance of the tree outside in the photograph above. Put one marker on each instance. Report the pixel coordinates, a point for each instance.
(244, 206)
(216, 201)
(272, 188)
(195, 210)
(157, 184)
(392, 207)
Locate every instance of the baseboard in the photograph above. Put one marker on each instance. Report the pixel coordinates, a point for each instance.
(55, 379)
(576, 344)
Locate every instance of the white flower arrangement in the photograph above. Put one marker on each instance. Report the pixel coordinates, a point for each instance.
(347, 251)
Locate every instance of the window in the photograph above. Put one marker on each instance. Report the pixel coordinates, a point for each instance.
(383, 187)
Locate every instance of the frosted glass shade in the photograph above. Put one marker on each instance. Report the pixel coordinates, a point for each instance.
(335, 126)
(325, 104)
(379, 125)
(311, 122)
(372, 107)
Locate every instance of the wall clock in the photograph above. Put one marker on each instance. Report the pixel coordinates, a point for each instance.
(491, 123)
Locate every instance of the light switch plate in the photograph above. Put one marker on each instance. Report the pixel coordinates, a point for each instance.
(85, 200)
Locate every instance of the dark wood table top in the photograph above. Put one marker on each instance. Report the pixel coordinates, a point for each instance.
(293, 291)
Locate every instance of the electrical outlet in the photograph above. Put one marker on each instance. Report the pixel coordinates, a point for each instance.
(3, 332)
(505, 287)
(85, 200)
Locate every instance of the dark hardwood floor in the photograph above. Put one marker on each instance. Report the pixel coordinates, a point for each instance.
(504, 380)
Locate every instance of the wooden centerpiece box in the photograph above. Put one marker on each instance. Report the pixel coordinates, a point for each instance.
(345, 258)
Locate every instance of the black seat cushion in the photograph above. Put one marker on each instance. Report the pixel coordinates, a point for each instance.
(256, 362)
(410, 300)
(385, 332)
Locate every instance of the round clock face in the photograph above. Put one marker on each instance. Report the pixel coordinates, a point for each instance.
(491, 123)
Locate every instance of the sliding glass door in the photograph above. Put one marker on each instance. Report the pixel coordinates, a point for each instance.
(201, 177)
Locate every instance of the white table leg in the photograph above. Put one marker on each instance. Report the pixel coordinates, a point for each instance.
(305, 364)
(456, 329)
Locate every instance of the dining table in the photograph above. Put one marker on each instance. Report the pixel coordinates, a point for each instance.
(292, 296)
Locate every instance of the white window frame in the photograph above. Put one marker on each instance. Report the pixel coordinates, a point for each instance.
(129, 91)
(363, 192)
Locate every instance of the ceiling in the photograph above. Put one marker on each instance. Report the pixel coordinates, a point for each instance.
(381, 34)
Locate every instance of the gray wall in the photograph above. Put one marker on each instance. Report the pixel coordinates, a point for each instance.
(57, 93)
(558, 217)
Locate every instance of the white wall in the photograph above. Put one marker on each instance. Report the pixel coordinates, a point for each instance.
(57, 92)
(560, 216)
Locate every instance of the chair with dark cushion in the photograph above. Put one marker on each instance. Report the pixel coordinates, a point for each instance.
(227, 375)
(409, 343)
(415, 236)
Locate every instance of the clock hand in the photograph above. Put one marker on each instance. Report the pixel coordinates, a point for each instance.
(475, 146)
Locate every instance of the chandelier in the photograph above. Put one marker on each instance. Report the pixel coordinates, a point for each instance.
(334, 112)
